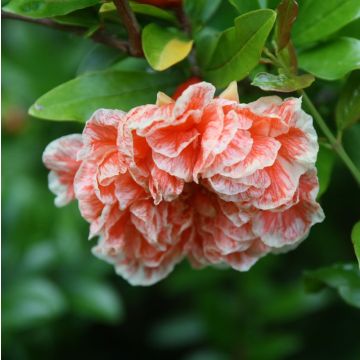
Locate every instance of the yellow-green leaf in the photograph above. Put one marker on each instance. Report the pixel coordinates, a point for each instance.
(164, 47)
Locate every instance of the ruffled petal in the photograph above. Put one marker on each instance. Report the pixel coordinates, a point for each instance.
(262, 154)
(288, 227)
(60, 156)
(164, 186)
(181, 166)
(100, 133)
(195, 97)
(284, 177)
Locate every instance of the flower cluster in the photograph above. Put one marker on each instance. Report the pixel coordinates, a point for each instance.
(202, 177)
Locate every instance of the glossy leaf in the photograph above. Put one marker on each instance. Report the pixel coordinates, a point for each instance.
(287, 12)
(46, 8)
(332, 60)
(348, 106)
(319, 19)
(325, 163)
(281, 82)
(94, 299)
(164, 47)
(239, 48)
(355, 237)
(77, 99)
(345, 279)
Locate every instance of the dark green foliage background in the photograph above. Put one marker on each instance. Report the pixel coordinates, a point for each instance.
(61, 302)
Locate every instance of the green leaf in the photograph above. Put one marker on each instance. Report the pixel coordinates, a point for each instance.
(281, 82)
(164, 47)
(345, 279)
(205, 43)
(348, 106)
(239, 48)
(287, 12)
(325, 163)
(200, 11)
(85, 18)
(183, 330)
(355, 237)
(319, 19)
(32, 302)
(77, 99)
(332, 60)
(46, 8)
(95, 299)
(142, 9)
(244, 6)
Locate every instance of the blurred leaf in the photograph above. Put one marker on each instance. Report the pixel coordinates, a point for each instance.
(94, 299)
(275, 346)
(319, 19)
(200, 11)
(287, 11)
(163, 47)
(355, 237)
(177, 332)
(40, 257)
(324, 164)
(77, 99)
(239, 48)
(333, 60)
(46, 8)
(348, 106)
(143, 9)
(345, 279)
(206, 354)
(32, 302)
(281, 82)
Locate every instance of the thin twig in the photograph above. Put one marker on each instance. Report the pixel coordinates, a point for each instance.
(132, 26)
(98, 36)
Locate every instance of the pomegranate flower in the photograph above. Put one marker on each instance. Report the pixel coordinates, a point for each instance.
(202, 177)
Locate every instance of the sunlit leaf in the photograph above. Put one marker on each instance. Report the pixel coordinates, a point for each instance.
(46, 8)
(319, 19)
(281, 82)
(348, 106)
(239, 48)
(77, 99)
(164, 47)
(345, 279)
(355, 237)
(332, 60)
